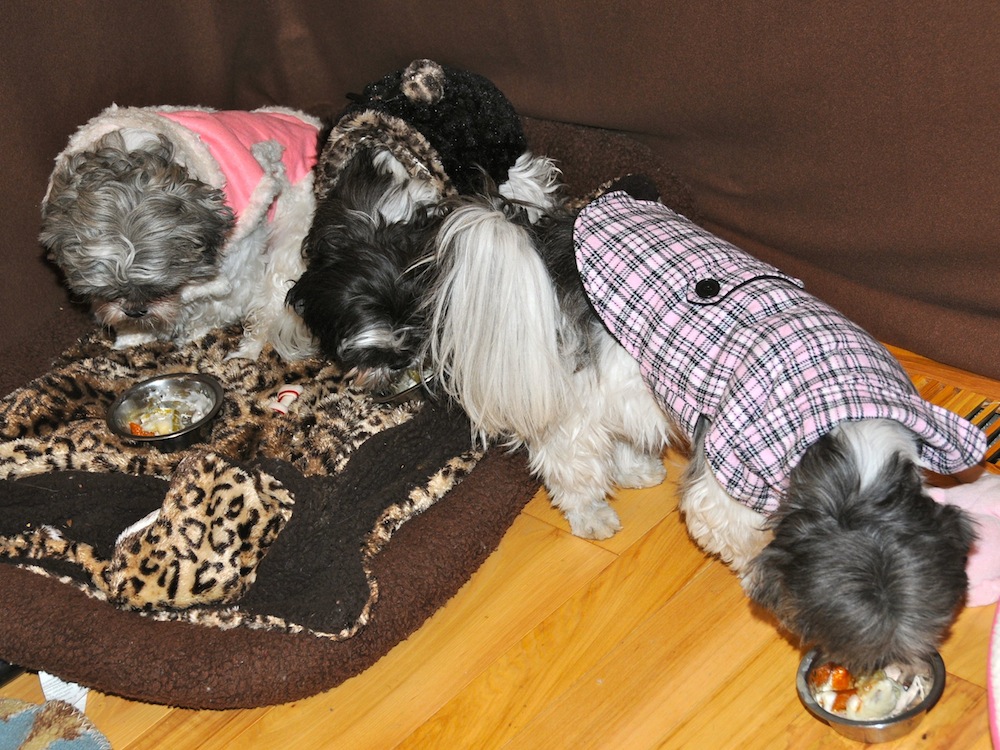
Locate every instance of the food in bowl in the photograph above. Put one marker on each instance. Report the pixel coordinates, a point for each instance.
(901, 721)
(166, 419)
(880, 695)
(170, 411)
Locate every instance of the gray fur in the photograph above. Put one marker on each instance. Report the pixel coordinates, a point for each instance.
(873, 572)
(132, 226)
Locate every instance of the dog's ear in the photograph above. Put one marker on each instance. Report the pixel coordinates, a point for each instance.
(764, 580)
(209, 211)
(956, 528)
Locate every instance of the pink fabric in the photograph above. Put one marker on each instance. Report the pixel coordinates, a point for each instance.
(229, 136)
(981, 500)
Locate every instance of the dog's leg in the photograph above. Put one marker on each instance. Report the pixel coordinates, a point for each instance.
(636, 468)
(717, 523)
(611, 433)
(577, 467)
(269, 320)
(125, 340)
(632, 413)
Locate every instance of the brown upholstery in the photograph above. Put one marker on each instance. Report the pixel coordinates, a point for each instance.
(854, 144)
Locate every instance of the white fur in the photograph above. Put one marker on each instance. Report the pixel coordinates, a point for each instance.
(499, 348)
(872, 442)
(533, 367)
(535, 181)
(268, 319)
(716, 522)
(400, 202)
(508, 376)
(725, 527)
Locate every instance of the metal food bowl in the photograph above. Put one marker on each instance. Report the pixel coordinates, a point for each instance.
(409, 386)
(876, 730)
(183, 405)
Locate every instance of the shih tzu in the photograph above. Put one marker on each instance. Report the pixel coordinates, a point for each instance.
(599, 337)
(172, 221)
(409, 141)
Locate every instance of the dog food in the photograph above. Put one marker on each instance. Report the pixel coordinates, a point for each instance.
(879, 695)
(166, 419)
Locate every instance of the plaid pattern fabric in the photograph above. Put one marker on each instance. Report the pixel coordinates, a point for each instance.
(722, 335)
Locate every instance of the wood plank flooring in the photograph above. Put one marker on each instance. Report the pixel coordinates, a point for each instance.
(639, 641)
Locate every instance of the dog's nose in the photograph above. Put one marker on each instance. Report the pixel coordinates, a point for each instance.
(136, 312)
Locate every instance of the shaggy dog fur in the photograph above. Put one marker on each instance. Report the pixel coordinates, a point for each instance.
(138, 217)
(411, 139)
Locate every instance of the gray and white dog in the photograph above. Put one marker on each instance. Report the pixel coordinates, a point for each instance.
(172, 221)
(596, 338)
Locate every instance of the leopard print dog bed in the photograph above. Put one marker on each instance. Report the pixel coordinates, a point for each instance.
(273, 525)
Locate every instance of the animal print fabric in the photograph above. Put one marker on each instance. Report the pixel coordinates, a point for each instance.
(221, 532)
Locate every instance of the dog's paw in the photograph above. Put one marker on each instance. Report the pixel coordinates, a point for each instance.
(125, 340)
(597, 522)
(642, 471)
(249, 348)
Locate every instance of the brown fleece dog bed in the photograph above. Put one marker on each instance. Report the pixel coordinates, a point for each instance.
(330, 594)
(391, 511)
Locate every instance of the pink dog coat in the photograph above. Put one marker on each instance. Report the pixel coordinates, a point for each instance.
(722, 335)
(230, 137)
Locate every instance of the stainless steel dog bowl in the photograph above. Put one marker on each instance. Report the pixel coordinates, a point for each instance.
(183, 405)
(408, 387)
(879, 730)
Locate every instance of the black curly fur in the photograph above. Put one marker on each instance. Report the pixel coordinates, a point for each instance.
(473, 127)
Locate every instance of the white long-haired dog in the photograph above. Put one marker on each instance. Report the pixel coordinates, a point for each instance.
(172, 221)
(597, 338)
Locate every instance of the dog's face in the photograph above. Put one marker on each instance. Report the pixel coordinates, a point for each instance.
(873, 579)
(360, 296)
(130, 229)
(361, 292)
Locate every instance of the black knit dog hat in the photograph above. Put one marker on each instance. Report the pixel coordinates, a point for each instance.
(445, 124)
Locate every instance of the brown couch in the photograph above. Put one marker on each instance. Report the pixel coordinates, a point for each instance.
(853, 144)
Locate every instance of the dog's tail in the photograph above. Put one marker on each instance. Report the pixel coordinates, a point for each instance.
(535, 182)
(493, 322)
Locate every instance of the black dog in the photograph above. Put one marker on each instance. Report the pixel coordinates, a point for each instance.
(361, 291)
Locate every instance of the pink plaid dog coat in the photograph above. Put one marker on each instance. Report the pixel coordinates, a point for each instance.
(722, 335)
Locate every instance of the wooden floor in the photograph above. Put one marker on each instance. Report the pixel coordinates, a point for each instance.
(639, 641)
